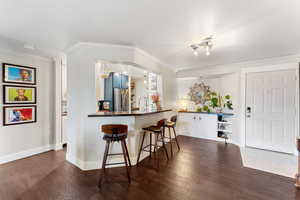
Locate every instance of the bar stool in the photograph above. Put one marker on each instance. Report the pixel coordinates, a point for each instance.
(159, 133)
(115, 133)
(172, 124)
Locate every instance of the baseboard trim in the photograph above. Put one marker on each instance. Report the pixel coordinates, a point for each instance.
(57, 147)
(25, 154)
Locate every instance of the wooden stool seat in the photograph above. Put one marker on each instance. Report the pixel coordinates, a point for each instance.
(154, 129)
(170, 124)
(115, 133)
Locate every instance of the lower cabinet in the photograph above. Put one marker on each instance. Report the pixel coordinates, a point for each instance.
(198, 125)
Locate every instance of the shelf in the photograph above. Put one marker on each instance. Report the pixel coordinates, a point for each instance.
(225, 131)
(223, 137)
(226, 123)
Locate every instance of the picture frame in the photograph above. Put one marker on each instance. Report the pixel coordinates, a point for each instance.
(14, 94)
(16, 115)
(18, 74)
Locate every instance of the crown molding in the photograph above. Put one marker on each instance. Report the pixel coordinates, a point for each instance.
(79, 44)
(139, 50)
(251, 63)
(16, 53)
(154, 58)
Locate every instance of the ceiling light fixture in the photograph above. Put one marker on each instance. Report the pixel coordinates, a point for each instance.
(206, 43)
(194, 47)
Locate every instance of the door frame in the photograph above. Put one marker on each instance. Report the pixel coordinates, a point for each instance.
(269, 68)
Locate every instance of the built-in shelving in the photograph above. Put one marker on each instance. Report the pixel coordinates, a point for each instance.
(212, 126)
(224, 130)
(224, 127)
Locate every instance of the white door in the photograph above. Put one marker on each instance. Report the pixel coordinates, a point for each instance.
(271, 110)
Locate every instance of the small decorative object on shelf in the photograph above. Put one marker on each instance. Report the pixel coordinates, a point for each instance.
(199, 109)
(297, 184)
(156, 101)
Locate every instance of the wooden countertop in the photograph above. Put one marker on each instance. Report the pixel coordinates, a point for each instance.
(209, 113)
(118, 114)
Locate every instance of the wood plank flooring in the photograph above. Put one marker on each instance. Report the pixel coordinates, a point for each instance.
(202, 170)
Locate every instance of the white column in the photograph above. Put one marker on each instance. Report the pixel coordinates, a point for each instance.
(59, 60)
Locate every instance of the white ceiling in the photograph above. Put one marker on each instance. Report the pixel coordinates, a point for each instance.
(243, 30)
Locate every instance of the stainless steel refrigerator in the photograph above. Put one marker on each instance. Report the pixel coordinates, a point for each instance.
(121, 100)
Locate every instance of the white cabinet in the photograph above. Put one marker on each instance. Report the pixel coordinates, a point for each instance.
(200, 125)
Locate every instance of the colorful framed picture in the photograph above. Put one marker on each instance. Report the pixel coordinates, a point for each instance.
(18, 74)
(19, 94)
(14, 115)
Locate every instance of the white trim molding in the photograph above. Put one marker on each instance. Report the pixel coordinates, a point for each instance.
(234, 67)
(25, 154)
(133, 48)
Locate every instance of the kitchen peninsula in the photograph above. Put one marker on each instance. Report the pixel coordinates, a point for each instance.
(135, 120)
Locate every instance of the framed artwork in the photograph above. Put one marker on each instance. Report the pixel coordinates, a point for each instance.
(14, 115)
(199, 93)
(19, 94)
(18, 74)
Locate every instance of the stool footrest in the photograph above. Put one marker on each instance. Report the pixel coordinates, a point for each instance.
(144, 148)
(149, 146)
(115, 154)
(115, 163)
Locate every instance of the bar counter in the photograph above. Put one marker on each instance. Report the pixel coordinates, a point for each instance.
(134, 113)
(208, 113)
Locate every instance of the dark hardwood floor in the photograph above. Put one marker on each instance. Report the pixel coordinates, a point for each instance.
(202, 170)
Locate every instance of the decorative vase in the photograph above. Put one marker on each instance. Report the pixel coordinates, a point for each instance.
(158, 106)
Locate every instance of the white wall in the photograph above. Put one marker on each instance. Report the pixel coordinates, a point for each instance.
(81, 91)
(18, 141)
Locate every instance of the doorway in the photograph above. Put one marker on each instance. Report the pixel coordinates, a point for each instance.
(271, 110)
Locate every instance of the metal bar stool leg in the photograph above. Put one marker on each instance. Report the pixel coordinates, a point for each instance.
(125, 160)
(155, 150)
(150, 145)
(170, 137)
(127, 154)
(176, 138)
(164, 145)
(104, 163)
(141, 148)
